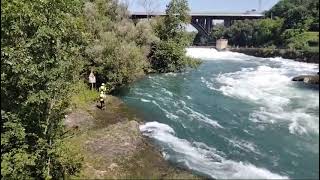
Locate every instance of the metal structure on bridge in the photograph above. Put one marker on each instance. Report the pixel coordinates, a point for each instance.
(204, 21)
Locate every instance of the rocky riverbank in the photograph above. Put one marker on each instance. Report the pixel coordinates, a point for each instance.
(113, 147)
(301, 56)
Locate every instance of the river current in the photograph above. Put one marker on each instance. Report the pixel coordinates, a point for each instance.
(235, 117)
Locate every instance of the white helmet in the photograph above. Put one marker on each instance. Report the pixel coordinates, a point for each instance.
(103, 84)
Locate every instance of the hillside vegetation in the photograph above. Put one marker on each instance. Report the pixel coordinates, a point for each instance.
(48, 48)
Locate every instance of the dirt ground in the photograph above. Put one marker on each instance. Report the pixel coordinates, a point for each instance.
(113, 147)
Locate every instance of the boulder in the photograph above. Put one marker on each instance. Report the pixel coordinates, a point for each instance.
(309, 79)
(298, 78)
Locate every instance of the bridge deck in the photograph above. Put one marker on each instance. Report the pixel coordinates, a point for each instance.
(205, 14)
(203, 21)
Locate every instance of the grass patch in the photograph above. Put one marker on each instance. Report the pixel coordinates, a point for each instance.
(82, 96)
(313, 49)
(307, 41)
(313, 36)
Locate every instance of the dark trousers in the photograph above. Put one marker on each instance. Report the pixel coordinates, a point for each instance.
(102, 104)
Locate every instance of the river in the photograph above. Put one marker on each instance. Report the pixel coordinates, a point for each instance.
(236, 116)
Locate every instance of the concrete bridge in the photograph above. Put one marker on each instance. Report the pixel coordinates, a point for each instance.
(203, 21)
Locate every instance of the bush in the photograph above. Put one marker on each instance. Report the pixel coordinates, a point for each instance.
(117, 50)
(41, 57)
(145, 33)
(82, 95)
(169, 55)
(295, 39)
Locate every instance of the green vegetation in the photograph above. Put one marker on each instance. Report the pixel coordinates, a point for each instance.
(48, 48)
(169, 54)
(304, 41)
(81, 95)
(116, 50)
(41, 48)
(297, 14)
(292, 24)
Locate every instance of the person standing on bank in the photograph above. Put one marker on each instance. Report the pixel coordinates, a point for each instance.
(103, 96)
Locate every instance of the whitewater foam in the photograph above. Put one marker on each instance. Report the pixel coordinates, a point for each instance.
(167, 113)
(269, 87)
(273, 90)
(195, 115)
(167, 91)
(260, 85)
(213, 54)
(171, 74)
(202, 158)
(300, 121)
(244, 145)
(145, 100)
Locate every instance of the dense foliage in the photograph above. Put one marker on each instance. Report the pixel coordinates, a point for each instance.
(263, 32)
(48, 47)
(169, 54)
(288, 25)
(117, 48)
(41, 47)
(297, 14)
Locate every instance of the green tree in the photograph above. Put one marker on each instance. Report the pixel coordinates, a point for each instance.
(218, 32)
(169, 57)
(280, 9)
(173, 25)
(169, 54)
(287, 25)
(145, 33)
(298, 18)
(269, 32)
(242, 33)
(297, 14)
(313, 7)
(117, 49)
(41, 51)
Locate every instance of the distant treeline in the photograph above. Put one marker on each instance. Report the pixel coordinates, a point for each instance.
(292, 24)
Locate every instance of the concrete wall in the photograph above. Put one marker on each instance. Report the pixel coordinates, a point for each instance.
(221, 44)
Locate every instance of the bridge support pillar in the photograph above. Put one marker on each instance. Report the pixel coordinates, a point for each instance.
(227, 22)
(209, 25)
(201, 22)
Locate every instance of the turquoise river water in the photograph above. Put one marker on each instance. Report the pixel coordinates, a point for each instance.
(235, 117)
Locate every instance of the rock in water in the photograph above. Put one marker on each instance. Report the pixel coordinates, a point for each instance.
(299, 78)
(309, 79)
